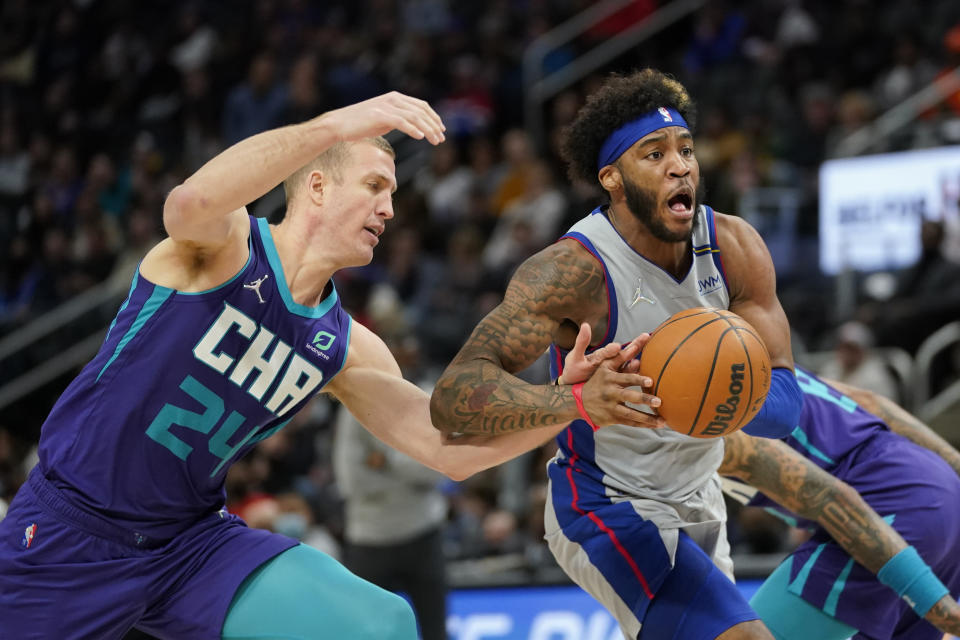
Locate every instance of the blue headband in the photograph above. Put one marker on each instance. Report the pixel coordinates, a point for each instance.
(625, 137)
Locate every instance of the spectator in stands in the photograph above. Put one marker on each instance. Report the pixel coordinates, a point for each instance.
(855, 110)
(257, 104)
(927, 295)
(856, 363)
(394, 515)
(452, 309)
(529, 222)
(445, 184)
(518, 155)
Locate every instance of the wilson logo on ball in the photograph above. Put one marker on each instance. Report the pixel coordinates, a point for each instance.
(726, 410)
(711, 370)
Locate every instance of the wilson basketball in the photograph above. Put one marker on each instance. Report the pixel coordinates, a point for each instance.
(711, 370)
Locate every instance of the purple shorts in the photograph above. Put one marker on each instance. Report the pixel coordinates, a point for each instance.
(916, 490)
(67, 573)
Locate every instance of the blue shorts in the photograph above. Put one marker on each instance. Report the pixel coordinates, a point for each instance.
(67, 573)
(919, 494)
(620, 559)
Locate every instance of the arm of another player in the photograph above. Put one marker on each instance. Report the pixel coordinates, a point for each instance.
(398, 412)
(478, 392)
(752, 283)
(200, 211)
(785, 476)
(901, 421)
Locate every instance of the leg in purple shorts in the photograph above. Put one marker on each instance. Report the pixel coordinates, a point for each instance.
(66, 574)
(918, 493)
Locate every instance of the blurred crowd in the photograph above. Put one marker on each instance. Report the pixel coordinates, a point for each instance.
(105, 105)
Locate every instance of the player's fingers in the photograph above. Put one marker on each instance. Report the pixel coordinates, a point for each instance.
(583, 339)
(624, 355)
(426, 110)
(635, 396)
(628, 379)
(633, 366)
(605, 355)
(415, 118)
(432, 125)
(641, 340)
(636, 418)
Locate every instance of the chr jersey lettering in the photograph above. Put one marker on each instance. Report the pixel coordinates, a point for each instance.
(298, 378)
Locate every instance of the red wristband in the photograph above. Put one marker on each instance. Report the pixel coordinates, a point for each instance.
(578, 396)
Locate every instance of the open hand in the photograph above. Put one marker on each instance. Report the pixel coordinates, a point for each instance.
(382, 114)
(613, 381)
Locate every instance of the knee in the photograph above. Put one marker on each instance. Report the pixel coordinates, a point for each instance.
(391, 618)
(751, 630)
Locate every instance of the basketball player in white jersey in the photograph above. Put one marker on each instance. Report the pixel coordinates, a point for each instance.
(636, 516)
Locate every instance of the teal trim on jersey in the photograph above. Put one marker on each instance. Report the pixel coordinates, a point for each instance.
(277, 267)
(830, 605)
(133, 285)
(218, 443)
(235, 276)
(789, 520)
(269, 432)
(150, 307)
(820, 390)
(833, 598)
(346, 350)
(801, 437)
(790, 617)
(801, 580)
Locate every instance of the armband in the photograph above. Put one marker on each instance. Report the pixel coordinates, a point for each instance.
(780, 413)
(578, 396)
(913, 580)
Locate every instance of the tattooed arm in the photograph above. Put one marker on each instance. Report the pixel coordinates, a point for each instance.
(901, 421)
(796, 483)
(548, 298)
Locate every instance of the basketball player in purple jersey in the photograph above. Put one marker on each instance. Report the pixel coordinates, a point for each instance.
(636, 516)
(918, 475)
(852, 578)
(230, 326)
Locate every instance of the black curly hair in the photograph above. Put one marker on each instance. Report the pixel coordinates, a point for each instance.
(622, 98)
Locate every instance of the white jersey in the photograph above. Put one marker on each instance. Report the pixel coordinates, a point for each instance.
(608, 487)
(657, 464)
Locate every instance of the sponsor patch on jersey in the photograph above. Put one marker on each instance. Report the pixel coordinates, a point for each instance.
(322, 343)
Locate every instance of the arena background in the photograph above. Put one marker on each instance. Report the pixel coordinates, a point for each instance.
(833, 127)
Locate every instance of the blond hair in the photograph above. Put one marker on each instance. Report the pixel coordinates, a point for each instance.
(331, 163)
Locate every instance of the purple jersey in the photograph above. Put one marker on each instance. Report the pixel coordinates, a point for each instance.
(911, 487)
(185, 384)
(831, 427)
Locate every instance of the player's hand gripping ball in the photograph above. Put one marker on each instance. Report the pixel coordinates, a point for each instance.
(711, 370)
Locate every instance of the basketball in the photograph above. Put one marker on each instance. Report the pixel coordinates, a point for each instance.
(711, 370)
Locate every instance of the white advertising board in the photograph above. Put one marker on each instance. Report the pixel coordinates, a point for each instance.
(871, 207)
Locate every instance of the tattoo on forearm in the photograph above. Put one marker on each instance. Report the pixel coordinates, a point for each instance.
(945, 615)
(912, 428)
(799, 485)
(478, 393)
(796, 483)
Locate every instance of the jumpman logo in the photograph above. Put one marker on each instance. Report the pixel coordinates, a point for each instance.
(638, 295)
(255, 286)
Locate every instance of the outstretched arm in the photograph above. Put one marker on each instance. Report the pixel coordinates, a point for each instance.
(398, 412)
(197, 211)
(793, 481)
(901, 421)
(478, 392)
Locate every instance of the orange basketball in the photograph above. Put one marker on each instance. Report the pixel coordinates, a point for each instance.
(710, 369)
